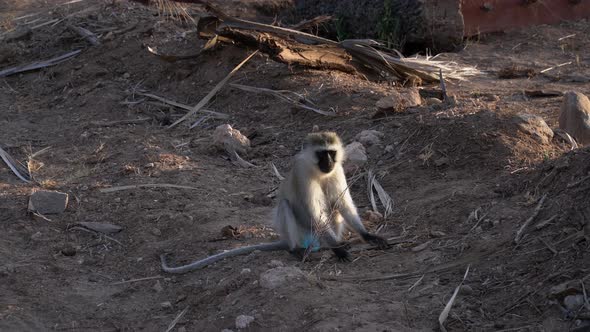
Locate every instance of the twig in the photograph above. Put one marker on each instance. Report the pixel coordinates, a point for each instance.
(96, 233)
(136, 280)
(416, 283)
(276, 172)
(176, 320)
(212, 93)
(14, 167)
(442, 85)
(86, 34)
(548, 245)
(587, 304)
(297, 99)
(520, 232)
(559, 65)
(39, 64)
(147, 185)
(545, 222)
(183, 106)
(566, 37)
(573, 184)
(118, 122)
(445, 313)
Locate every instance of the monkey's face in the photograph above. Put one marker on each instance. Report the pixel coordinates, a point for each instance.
(326, 160)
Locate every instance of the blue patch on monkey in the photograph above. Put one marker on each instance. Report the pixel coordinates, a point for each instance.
(310, 241)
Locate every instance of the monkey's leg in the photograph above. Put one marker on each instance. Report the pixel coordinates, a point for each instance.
(286, 224)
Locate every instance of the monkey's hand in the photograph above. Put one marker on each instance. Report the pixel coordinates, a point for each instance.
(342, 254)
(380, 242)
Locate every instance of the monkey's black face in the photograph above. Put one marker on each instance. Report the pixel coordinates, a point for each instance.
(326, 160)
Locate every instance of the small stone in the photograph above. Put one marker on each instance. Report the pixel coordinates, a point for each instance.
(48, 202)
(156, 231)
(437, 234)
(535, 126)
(369, 137)
(575, 116)
(20, 33)
(441, 161)
(126, 75)
(372, 216)
(280, 276)
(166, 305)
(356, 156)
(227, 138)
(466, 290)
(573, 302)
(36, 236)
(564, 289)
(275, 263)
(243, 321)
(68, 251)
(389, 149)
(245, 271)
(399, 100)
(433, 101)
(158, 287)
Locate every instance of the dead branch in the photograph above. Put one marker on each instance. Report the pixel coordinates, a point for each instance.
(39, 64)
(522, 229)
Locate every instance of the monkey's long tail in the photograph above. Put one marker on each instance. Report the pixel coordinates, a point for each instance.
(273, 246)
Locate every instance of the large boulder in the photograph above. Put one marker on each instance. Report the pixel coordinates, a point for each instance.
(575, 116)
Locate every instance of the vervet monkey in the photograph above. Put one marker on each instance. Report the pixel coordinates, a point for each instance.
(314, 203)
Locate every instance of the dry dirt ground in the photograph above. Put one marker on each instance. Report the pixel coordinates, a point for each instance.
(463, 210)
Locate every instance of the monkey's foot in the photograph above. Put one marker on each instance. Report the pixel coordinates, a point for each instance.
(380, 242)
(342, 254)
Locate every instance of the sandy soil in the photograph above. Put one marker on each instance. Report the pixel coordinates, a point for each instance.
(53, 277)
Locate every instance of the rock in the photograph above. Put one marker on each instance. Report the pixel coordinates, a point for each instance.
(158, 287)
(356, 156)
(466, 290)
(243, 321)
(279, 276)
(441, 161)
(564, 289)
(227, 138)
(245, 271)
(156, 231)
(369, 137)
(20, 33)
(573, 302)
(372, 216)
(389, 149)
(399, 100)
(575, 116)
(68, 251)
(535, 126)
(36, 236)
(166, 305)
(275, 263)
(48, 202)
(433, 101)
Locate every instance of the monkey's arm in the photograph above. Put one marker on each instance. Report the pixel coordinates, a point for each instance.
(349, 212)
(273, 246)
